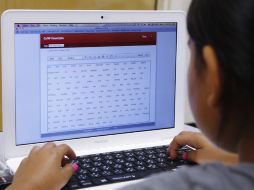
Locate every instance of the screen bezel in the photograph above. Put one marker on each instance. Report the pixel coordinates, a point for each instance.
(11, 17)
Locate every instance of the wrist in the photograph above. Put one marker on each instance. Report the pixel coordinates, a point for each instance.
(17, 186)
(229, 158)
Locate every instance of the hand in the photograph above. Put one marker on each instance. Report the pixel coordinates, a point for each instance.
(204, 151)
(43, 170)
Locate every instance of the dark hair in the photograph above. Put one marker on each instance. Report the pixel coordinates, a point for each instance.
(227, 26)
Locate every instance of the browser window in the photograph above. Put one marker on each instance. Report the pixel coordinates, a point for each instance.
(87, 80)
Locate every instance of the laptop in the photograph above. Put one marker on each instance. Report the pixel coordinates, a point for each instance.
(99, 81)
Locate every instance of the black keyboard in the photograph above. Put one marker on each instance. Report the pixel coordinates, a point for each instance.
(105, 168)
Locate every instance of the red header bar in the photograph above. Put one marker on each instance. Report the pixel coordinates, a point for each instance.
(97, 39)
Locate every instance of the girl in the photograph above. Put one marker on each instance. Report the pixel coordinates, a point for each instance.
(221, 93)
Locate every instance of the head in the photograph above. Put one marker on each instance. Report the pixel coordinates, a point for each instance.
(221, 72)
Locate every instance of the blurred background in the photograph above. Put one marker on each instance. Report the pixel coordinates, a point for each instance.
(97, 5)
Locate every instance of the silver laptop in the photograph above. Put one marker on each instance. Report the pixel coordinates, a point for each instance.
(99, 81)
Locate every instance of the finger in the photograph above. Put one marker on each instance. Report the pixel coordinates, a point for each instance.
(49, 145)
(181, 140)
(65, 150)
(186, 133)
(65, 161)
(192, 138)
(34, 150)
(23, 161)
(192, 156)
(68, 170)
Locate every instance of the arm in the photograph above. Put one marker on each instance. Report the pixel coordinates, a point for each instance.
(43, 169)
(204, 151)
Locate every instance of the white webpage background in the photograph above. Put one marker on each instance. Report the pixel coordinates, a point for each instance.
(97, 87)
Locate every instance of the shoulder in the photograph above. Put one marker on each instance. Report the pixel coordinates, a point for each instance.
(217, 176)
(212, 176)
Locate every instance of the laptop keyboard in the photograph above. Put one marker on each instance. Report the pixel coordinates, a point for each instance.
(112, 167)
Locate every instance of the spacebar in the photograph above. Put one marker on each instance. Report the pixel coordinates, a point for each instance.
(131, 176)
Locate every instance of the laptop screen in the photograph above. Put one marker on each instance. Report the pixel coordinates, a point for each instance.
(87, 80)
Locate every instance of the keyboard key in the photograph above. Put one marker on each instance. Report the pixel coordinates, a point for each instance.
(130, 159)
(73, 185)
(150, 161)
(162, 165)
(151, 166)
(85, 183)
(118, 171)
(78, 162)
(100, 181)
(123, 177)
(160, 150)
(82, 171)
(162, 155)
(150, 152)
(97, 163)
(106, 173)
(109, 162)
(141, 163)
(96, 158)
(73, 179)
(119, 160)
(119, 155)
(118, 166)
(130, 170)
(151, 156)
(128, 164)
(95, 174)
(94, 169)
(161, 160)
(140, 153)
(86, 165)
(108, 157)
(129, 154)
(171, 164)
(85, 160)
(140, 168)
(106, 168)
(82, 177)
(141, 158)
